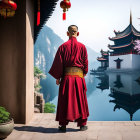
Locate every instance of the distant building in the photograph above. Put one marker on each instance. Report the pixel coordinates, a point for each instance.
(123, 55)
(103, 59)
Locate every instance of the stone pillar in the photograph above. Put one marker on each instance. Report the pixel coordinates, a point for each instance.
(16, 62)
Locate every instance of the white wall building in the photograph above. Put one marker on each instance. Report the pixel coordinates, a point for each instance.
(123, 55)
(128, 61)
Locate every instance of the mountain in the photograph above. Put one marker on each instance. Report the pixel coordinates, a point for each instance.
(44, 53)
(45, 48)
(92, 57)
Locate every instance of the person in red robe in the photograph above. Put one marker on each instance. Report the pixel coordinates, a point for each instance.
(69, 68)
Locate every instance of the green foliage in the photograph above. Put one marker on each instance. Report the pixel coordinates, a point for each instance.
(38, 86)
(49, 108)
(4, 115)
(37, 71)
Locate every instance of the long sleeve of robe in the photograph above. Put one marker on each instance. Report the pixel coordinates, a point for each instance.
(57, 67)
(72, 100)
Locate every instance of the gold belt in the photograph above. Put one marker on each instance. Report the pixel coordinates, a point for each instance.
(74, 71)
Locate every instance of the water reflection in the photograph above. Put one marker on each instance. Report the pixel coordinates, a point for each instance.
(104, 82)
(129, 103)
(120, 98)
(125, 91)
(91, 84)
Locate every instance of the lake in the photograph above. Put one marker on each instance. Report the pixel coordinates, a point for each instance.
(112, 97)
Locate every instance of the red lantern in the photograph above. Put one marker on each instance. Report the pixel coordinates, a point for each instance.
(65, 5)
(7, 8)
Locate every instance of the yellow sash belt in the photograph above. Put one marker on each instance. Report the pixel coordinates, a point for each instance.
(74, 71)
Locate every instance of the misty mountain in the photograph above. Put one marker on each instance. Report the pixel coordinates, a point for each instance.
(92, 57)
(44, 52)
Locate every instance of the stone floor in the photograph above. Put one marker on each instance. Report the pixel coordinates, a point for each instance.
(44, 127)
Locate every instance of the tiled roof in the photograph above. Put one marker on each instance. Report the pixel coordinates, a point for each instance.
(120, 46)
(101, 59)
(129, 30)
(46, 9)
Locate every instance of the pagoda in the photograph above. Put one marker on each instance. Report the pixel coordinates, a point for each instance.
(103, 59)
(123, 54)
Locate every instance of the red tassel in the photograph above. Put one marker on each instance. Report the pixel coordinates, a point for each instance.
(38, 18)
(64, 16)
(38, 13)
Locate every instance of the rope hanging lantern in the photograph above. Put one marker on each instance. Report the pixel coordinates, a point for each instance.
(65, 5)
(7, 8)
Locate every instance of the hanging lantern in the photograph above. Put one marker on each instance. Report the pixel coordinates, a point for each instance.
(38, 13)
(65, 5)
(7, 8)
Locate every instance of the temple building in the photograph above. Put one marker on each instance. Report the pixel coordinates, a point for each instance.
(103, 59)
(123, 55)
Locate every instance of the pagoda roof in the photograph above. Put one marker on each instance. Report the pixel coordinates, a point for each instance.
(104, 53)
(112, 47)
(101, 59)
(129, 30)
(46, 9)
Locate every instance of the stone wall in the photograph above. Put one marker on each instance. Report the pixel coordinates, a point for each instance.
(16, 62)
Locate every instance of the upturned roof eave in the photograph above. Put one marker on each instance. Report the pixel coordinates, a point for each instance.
(112, 47)
(101, 59)
(132, 30)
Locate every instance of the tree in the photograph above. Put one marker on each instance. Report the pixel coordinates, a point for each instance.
(38, 73)
(137, 46)
(49, 108)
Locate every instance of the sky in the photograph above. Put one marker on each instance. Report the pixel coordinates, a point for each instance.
(96, 20)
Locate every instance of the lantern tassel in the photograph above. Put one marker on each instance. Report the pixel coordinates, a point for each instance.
(38, 18)
(64, 16)
(38, 13)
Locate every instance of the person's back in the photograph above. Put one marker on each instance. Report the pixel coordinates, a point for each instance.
(73, 53)
(69, 69)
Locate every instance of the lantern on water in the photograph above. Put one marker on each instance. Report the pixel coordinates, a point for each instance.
(7, 8)
(65, 5)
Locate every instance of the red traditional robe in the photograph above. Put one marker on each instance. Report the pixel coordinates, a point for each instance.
(72, 100)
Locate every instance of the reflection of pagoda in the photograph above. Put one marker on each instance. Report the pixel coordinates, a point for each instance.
(103, 59)
(125, 101)
(123, 55)
(104, 84)
(118, 82)
(126, 92)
